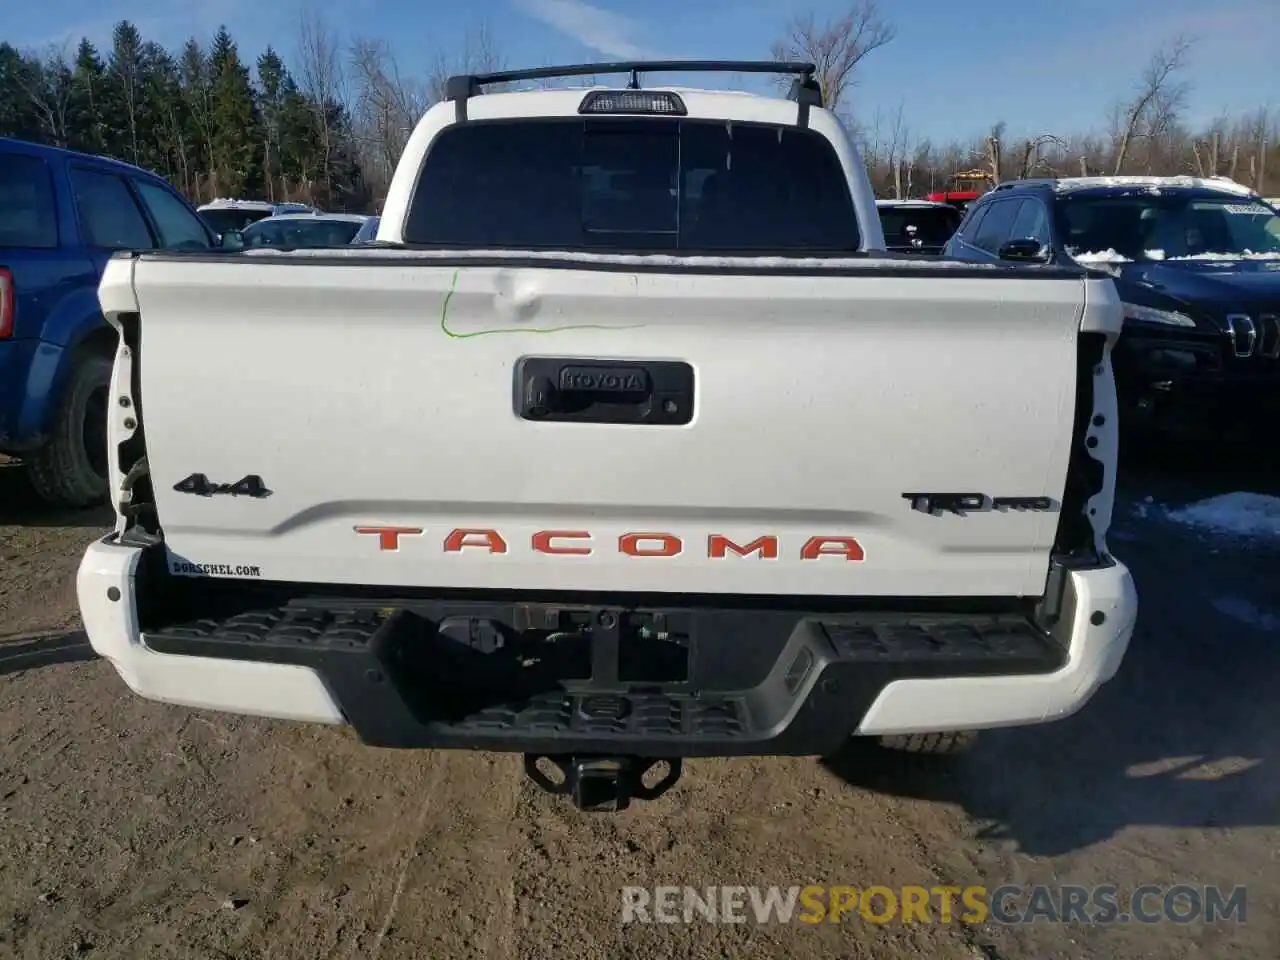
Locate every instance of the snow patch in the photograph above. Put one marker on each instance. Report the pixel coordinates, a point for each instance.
(1232, 257)
(1100, 256)
(1153, 184)
(1237, 514)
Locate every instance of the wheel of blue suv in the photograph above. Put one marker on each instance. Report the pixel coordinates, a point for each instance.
(938, 744)
(71, 469)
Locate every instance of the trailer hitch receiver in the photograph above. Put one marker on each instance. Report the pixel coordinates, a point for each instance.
(602, 783)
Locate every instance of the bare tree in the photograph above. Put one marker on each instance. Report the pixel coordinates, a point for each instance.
(1252, 133)
(387, 104)
(48, 84)
(479, 52)
(836, 46)
(899, 148)
(1159, 98)
(995, 150)
(1032, 153)
(868, 136)
(1247, 146)
(323, 80)
(922, 162)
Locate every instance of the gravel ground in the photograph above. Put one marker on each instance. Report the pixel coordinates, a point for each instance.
(131, 829)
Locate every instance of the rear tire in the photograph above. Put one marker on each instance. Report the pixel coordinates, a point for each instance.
(71, 469)
(934, 744)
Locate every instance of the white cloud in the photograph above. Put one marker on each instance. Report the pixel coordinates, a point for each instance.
(610, 33)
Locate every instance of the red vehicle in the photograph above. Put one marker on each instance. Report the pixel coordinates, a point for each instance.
(963, 189)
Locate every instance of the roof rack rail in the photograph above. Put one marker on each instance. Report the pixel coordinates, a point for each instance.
(804, 89)
(1028, 182)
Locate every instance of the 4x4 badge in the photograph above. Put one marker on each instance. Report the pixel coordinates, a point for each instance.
(200, 485)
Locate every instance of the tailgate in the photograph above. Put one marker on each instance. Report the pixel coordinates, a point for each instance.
(527, 426)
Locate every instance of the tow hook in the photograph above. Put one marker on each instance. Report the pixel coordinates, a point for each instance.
(602, 783)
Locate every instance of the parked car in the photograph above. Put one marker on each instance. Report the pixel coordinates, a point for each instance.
(1197, 265)
(368, 233)
(225, 214)
(962, 188)
(917, 226)
(62, 214)
(299, 231)
(607, 476)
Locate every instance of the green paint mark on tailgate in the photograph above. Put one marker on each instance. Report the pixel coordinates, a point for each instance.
(455, 335)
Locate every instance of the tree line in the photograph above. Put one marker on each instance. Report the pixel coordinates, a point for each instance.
(328, 126)
(199, 116)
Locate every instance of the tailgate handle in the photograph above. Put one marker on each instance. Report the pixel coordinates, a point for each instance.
(565, 389)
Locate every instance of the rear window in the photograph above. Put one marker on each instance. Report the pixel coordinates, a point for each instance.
(932, 226)
(28, 215)
(634, 185)
(222, 220)
(294, 234)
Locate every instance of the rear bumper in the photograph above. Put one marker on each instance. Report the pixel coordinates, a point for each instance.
(816, 679)
(106, 588)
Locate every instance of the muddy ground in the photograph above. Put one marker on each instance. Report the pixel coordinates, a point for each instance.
(131, 829)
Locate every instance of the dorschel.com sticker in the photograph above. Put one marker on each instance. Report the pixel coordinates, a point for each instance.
(189, 569)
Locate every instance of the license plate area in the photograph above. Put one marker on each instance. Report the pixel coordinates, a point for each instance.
(570, 647)
(463, 664)
(617, 646)
(574, 390)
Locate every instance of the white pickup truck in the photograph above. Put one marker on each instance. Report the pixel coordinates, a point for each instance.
(626, 442)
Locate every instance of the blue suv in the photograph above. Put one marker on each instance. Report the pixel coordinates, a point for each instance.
(62, 215)
(1196, 263)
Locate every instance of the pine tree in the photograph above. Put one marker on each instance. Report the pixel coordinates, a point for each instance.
(165, 116)
(300, 147)
(126, 70)
(92, 105)
(272, 80)
(236, 140)
(197, 98)
(17, 113)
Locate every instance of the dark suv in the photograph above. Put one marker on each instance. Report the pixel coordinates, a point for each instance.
(917, 226)
(1197, 265)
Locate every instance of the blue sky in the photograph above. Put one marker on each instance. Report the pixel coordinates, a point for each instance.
(1040, 65)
